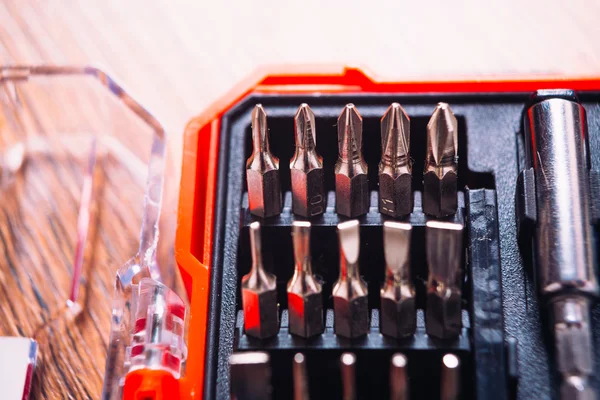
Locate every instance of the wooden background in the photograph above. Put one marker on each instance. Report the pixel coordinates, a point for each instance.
(176, 57)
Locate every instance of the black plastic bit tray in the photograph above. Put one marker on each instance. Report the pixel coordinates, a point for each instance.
(504, 350)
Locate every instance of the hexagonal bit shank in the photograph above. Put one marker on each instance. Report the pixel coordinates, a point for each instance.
(305, 304)
(350, 292)
(300, 375)
(440, 178)
(395, 169)
(262, 170)
(399, 389)
(348, 375)
(450, 378)
(443, 315)
(259, 293)
(306, 167)
(398, 317)
(351, 183)
(250, 376)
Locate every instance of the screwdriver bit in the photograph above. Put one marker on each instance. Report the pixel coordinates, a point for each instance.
(262, 170)
(350, 292)
(398, 317)
(300, 377)
(398, 378)
(443, 315)
(250, 376)
(259, 293)
(450, 378)
(308, 191)
(351, 183)
(305, 303)
(348, 372)
(395, 169)
(440, 176)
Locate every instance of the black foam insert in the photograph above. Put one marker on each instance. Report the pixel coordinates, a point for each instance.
(496, 311)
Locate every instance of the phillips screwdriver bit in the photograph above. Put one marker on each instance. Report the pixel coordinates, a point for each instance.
(259, 293)
(398, 317)
(308, 190)
(398, 378)
(300, 377)
(450, 378)
(348, 372)
(395, 169)
(440, 176)
(262, 170)
(443, 315)
(250, 376)
(351, 183)
(350, 292)
(305, 304)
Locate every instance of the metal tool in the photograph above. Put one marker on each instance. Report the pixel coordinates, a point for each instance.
(305, 302)
(18, 357)
(250, 376)
(440, 178)
(443, 315)
(259, 293)
(399, 389)
(450, 378)
(300, 377)
(351, 183)
(262, 170)
(350, 292)
(395, 167)
(398, 316)
(306, 167)
(348, 372)
(555, 188)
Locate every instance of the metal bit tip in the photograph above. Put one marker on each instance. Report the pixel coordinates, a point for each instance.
(440, 176)
(450, 384)
(398, 377)
(398, 316)
(348, 372)
(306, 167)
(349, 132)
(259, 293)
(305, 304)
(299, 372)
(395, 170)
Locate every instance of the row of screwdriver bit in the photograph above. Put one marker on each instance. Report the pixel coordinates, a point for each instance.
(351, 184)
(443, 313)
(251, 377)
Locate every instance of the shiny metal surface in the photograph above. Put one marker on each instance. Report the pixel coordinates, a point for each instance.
(259, 293)
(444, 248)
(250, 376)
(351, 183)
(300, 377)
(398, 315)
(348, 372)
(555, 133)
(262, 170)
(395, 167)
(350, 292)
(441, 163)
(450, 378)
(305, 302)
(306, 167)
(399, 389)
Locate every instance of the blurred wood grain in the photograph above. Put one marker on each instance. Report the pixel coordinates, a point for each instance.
(176, 57)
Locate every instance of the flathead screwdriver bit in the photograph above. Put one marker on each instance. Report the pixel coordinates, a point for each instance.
(351, 183)
(305, 302)
(250, 376)
(306, 167)
(440, 177)
(350, 292)
(259, 293)
(262, 170)
(443, 314)
(398, 316)
(395, 168)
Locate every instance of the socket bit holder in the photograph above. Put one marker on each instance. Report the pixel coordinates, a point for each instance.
(489, 158)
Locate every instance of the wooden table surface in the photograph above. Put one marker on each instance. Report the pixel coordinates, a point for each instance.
(176, 58)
